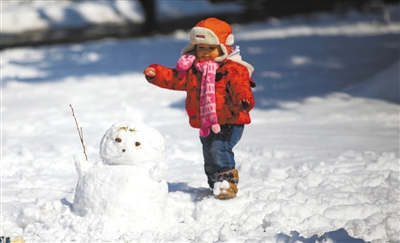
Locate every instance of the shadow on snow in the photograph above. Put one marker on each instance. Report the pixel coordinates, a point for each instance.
(339, 235)
(288, 69)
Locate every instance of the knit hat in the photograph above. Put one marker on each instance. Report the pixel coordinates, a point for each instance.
(211, 31)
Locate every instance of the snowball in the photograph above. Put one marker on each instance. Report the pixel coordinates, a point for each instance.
(122, 193)
(132, 143)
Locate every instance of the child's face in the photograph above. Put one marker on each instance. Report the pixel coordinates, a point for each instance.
(208, 52)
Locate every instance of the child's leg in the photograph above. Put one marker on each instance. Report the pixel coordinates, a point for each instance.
(222, 146)
(221, 150)
(217, 150)
(209, 166)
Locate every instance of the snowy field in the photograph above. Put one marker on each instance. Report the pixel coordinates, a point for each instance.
(319, 163)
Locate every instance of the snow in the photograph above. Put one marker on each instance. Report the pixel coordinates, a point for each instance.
(379, 85)
(319, 161)
(20, 15)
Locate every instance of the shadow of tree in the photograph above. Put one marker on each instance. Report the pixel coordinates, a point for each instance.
(288, 69)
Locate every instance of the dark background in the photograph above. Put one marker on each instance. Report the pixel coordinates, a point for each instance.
(253, 10)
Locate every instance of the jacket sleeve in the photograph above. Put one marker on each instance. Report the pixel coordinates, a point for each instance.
(240, 85)
(167, 78)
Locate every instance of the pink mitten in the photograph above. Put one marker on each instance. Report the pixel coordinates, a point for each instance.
(216, 128)
(183, 64)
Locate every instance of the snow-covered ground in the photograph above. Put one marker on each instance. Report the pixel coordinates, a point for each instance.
(321, 154)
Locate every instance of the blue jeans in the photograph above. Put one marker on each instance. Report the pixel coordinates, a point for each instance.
(217, 150)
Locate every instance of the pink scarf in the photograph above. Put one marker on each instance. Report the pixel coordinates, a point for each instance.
(208, 111)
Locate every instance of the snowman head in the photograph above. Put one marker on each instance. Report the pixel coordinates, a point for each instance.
(132, 143)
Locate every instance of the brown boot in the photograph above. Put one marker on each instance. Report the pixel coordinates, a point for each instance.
(226, 185)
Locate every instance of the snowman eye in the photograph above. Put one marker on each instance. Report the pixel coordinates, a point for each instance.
(137, 143)
(123, 150)
(118, 140)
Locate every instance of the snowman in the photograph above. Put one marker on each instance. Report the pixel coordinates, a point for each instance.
(126, 189)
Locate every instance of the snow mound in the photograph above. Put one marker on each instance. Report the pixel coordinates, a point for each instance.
(385, 84)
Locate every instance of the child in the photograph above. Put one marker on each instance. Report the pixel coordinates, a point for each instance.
(219, 97)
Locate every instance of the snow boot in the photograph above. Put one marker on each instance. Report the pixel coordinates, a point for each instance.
(226, 185)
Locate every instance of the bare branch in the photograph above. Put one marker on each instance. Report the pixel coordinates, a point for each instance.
(79, 132)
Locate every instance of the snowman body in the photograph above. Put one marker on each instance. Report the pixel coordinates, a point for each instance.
(127, 188)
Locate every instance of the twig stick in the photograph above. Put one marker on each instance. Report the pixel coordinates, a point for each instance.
(79, 132)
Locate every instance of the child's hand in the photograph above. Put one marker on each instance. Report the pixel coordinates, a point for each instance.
(150, 72)
(245, 103)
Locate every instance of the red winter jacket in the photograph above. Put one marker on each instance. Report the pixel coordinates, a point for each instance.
(232, 85)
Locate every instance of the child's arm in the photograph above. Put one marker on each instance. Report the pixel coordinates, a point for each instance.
(164, 77)
(240, 88)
